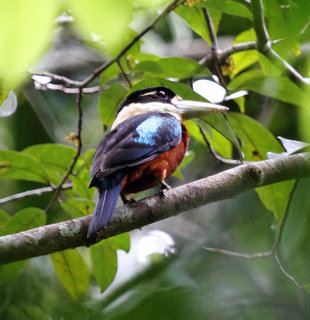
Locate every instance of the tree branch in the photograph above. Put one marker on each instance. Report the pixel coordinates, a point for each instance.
(224, 185)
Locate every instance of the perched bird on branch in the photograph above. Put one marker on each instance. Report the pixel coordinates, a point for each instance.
(146, 144)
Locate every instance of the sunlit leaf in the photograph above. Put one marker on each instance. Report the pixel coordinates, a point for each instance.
(72, 271)
(210, 90)
(109, 102)
(219, 123)
(104, 20)
(229, 7)
(195, 19)
(80, 184)
(241, 60)
(18, 165)
(121, 242)
(56, 157)
(25, 219)
(25, 29)
(194, 131)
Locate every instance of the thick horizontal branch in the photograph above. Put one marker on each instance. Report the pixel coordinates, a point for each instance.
(224, 185)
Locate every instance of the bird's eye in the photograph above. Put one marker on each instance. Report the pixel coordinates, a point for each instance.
(163, 94)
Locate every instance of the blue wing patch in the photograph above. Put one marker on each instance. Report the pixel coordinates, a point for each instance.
(151, 129)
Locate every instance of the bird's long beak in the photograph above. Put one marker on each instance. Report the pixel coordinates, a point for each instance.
(194, 109)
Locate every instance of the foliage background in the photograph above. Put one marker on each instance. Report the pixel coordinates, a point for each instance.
(186, 282)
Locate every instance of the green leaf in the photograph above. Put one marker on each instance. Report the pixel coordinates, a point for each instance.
(18, 165)
(24, 220)
(219, 123)
(3, 217)
(109, 102)
(256, 141)
(242, 60)
(275, 197)
(180, 68)
(71, 271)
(121, 242)
(110, 73)
(55, 157)
(104, 258)
(11, 270)
(280, 88)
(195, 19)
(194, 131)
(80, 185)
(219, 143)
(25, 29)
(268, 67)
(229, 7)
(103, 19)
(78, 207)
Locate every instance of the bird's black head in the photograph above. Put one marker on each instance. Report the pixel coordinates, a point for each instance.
(155, 94)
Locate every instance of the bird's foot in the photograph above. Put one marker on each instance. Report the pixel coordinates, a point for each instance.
(127, 201)
(164, 188)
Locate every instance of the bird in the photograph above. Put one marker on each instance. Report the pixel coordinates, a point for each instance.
(147, 142)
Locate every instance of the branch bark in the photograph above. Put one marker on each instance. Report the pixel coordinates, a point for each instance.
(224, 185)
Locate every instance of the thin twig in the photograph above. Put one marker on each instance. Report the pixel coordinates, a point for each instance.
(285, 272)
(256, 255)
(215, 50)
(34, 192)
(124, 73)
(77, 154)
(63, 79)
(63, 88)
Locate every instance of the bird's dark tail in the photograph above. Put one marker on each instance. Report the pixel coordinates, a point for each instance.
(109, 189)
